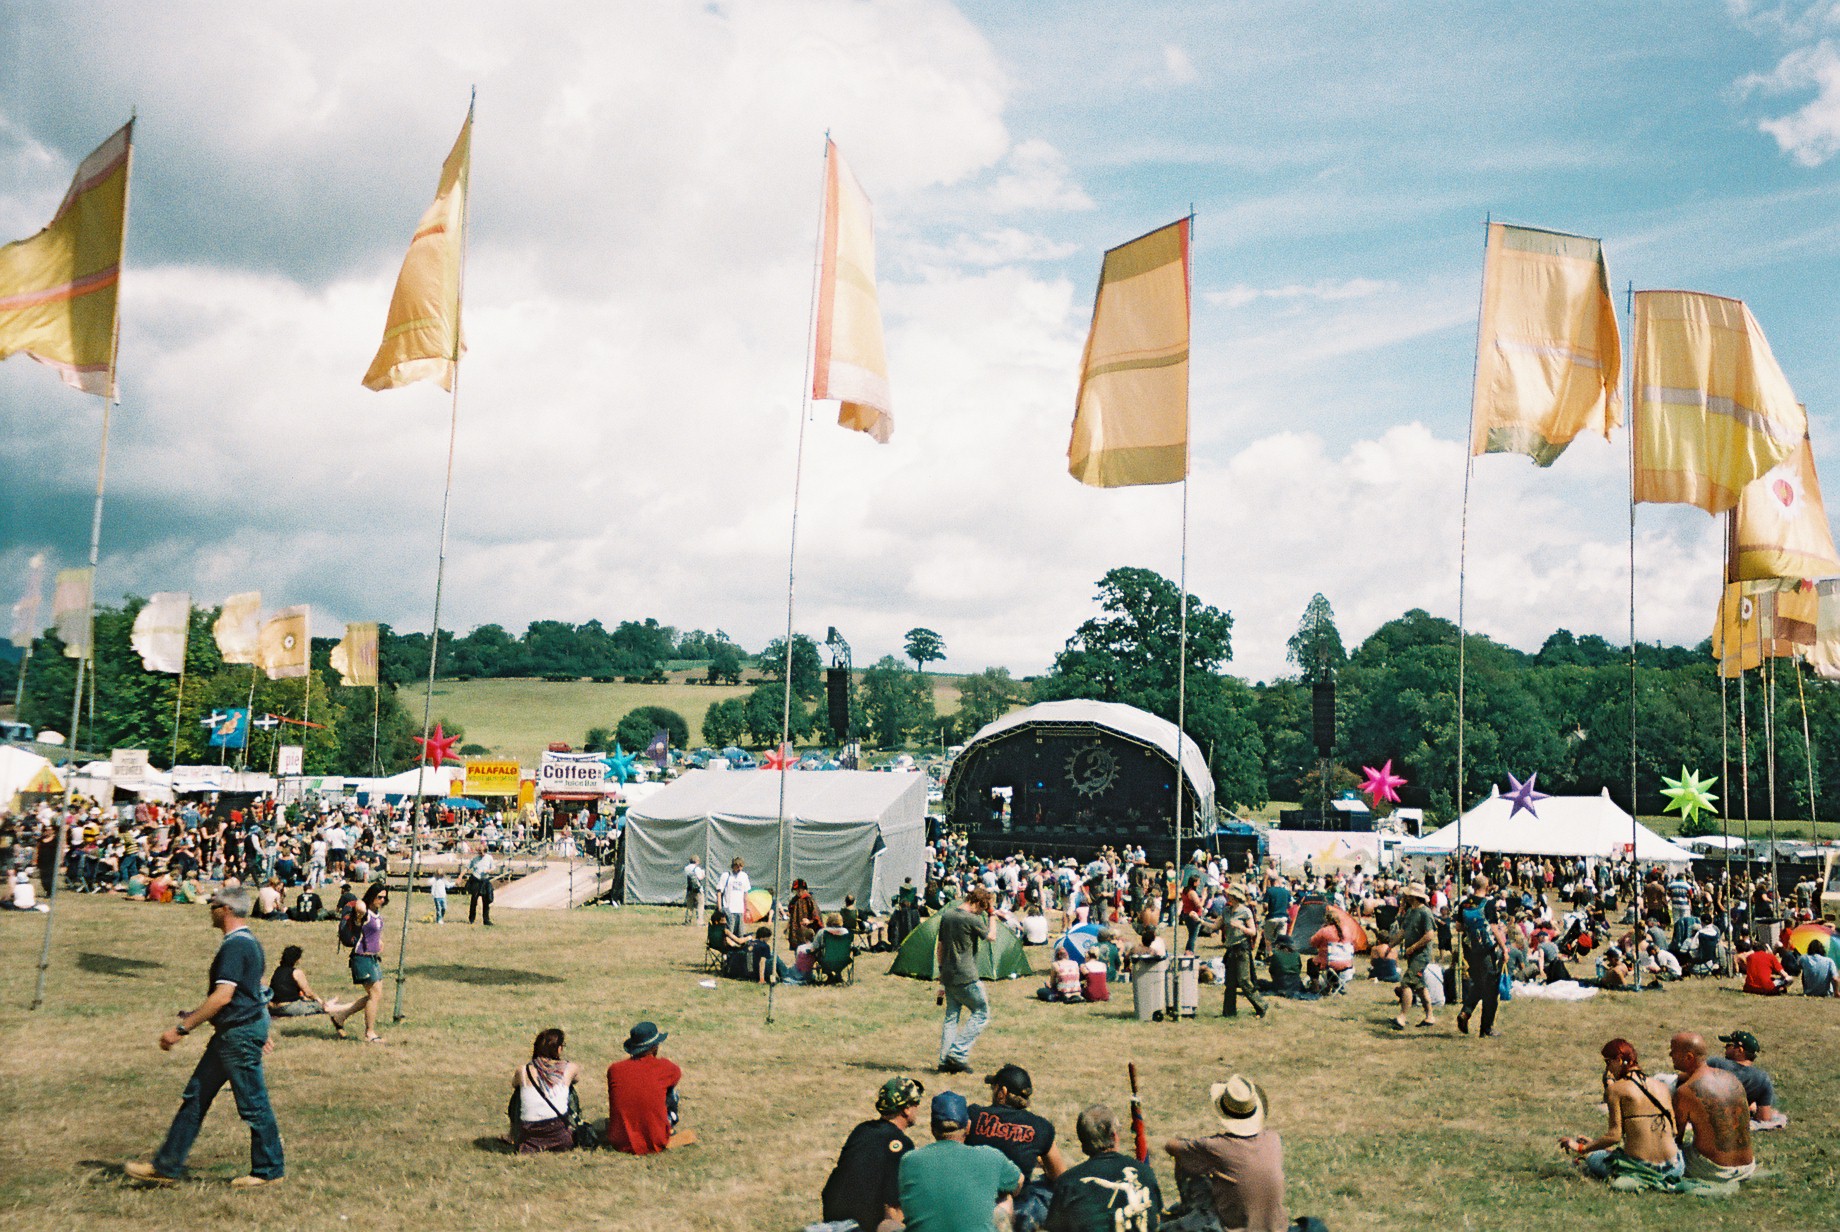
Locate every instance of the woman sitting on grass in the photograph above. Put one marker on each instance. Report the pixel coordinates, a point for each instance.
(540, 1093)
(292, 996)
(1641, 1129)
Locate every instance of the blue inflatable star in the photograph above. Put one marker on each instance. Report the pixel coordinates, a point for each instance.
(1523, 795)
(620, 764)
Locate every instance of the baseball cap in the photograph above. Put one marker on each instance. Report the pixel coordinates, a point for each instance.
(949, 1108)
(1744, 1040)
(1012, 1078)
(898, 1093)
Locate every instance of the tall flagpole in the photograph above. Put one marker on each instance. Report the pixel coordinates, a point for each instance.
(185, 649)
(440, 574)
(1188, 275)
(109, 402)
(85, 660)
(1634, 824)
(781, 864)
(1469, 468)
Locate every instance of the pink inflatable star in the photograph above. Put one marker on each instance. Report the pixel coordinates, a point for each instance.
(1523, 795)
(1382, 784)
(439, 747)
(780, 759)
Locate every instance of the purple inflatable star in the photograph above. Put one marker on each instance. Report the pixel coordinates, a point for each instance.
(1523, 795)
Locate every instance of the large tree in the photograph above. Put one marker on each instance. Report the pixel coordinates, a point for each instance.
(1315, 649)
(897, 703)
(985, 698)
(924, 646)
(807, 668)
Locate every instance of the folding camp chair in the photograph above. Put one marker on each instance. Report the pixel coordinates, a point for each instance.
(836, 957)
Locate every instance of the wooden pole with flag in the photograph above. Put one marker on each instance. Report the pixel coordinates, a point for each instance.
(1131, 414)
(59, 304)
(846, 361)
(423, 340)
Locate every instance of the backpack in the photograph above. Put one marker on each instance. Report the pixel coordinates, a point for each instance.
(349, 933)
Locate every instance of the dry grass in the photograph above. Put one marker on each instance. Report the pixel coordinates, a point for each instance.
(1381, 1130)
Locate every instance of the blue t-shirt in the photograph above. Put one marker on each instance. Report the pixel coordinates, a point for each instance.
(1277, 901)
(1817, 975)
(239, 961)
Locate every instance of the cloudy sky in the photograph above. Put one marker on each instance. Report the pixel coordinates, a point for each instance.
(645, 208)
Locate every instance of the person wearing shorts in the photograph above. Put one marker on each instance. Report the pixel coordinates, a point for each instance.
(367, 962)
(1417, 932)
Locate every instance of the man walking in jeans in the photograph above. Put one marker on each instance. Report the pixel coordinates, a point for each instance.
(237, 1012)
(962, 926)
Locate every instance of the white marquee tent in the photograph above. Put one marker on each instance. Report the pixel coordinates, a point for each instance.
(17, 768)
(1589, 826)
(850, 832)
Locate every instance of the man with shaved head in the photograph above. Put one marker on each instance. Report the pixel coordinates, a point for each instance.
(1713, 1105)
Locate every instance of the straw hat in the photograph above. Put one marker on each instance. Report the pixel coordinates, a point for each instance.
(1240, 1104)
(1415, 889)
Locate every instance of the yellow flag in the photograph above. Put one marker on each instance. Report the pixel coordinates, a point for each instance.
(1824, 655)
(160, 629)
(238, 630)
(1548, 357)
(58, 289)
(70, 610)
(1130, 419)
(1781, 529)
(285, 644)
(422, 340)
(1763, 619)
(355, 658)
(849, 361)
(1713, 410)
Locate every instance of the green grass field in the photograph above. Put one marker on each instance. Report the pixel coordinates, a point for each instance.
(520, 718)
(1382, 1130)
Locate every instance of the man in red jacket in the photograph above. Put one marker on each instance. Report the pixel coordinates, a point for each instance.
(642, 1097)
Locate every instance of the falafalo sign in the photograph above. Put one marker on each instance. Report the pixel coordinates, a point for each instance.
(572, 774)
(491, 778)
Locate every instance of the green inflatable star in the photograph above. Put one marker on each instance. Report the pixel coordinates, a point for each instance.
(1689, 795)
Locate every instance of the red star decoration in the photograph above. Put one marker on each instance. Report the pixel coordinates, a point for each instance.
(780, 759)
(438, 748)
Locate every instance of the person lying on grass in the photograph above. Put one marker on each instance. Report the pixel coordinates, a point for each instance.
(1641, 1119)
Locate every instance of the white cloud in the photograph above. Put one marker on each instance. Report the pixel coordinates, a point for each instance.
(1810, 134)
(1035, 178)
(1180, 69)
(1327, 291)
(993, 246)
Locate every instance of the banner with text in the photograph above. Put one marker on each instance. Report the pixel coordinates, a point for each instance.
(572, 774)
(491, 778)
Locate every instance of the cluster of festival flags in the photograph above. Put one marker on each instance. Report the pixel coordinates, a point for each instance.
(1716, 425)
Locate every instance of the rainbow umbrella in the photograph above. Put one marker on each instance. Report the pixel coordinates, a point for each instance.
(1811, 930)
(759, 906)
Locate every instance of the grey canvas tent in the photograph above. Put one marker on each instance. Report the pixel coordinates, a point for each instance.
(850, 832)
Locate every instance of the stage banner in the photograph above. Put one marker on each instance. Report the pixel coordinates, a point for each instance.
(491, 778)
(571, 774)
(128, 767)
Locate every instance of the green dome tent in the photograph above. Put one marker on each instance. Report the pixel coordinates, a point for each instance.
(1003, 959)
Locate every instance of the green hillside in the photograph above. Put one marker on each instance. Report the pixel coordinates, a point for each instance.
(521, 717)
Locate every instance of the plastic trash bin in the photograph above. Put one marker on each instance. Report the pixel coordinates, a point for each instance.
(1147, 988)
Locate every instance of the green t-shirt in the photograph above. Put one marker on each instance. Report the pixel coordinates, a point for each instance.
(1413, 925)
(959, 934)
(951, 1187)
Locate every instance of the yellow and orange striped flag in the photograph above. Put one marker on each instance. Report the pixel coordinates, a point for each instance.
(58, 289)
(849, 358)
(1130, 418)
(422, 340)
